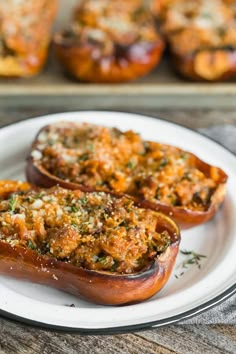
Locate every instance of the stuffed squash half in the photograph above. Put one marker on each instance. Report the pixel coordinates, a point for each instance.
(155, 175)
(93, 245)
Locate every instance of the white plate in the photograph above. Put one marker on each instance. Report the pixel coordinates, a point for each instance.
(196, 290)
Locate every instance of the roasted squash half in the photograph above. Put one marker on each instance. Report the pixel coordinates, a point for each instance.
(109, 42)
(202, 37)
(157, 176)
(92, 245)
(25, 36)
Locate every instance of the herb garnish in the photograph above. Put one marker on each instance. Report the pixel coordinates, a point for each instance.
(103, 260)
(130, 164)
(74, 224)
(91, 147)
(84, 157)
(39, 195)
(184, 155)
(163, 163)
(194, 258)
(114, 266)
(31, 245)
(74, 208)
(12, 203)
(83, 200)
(186, 177)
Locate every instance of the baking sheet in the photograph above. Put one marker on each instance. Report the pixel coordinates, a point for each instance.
(161, 88)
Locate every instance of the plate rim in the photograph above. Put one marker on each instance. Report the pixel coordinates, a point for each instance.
(141, 326)
(130, 328)
(133, 112)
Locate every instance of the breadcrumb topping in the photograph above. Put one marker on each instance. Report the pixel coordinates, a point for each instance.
(108, 159)
(198, 24)
(111, 25)
(95, 231)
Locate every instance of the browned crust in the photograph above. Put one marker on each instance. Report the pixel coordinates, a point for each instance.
(23, 66)
(29, 43)
(210, 65)
(9, 187)
(99, 287)
(186, 218)
(127, 63)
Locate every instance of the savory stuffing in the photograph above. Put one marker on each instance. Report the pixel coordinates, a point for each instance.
(198, 24)
(91, 230)
(24, 33)
(108, 159)
(111, 25)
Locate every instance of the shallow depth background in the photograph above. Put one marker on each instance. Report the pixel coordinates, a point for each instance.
(65, 7)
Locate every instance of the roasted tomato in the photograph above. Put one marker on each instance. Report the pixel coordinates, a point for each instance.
(25, 36)
(109, 41)
(94, 245)
(202, 37)
(158, 176)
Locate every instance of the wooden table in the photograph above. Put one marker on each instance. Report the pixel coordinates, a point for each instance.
(186, 339)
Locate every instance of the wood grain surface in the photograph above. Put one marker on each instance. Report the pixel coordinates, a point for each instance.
(183, 339)
(18, 338)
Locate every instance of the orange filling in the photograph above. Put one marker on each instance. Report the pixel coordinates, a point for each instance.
(91, 230)
(108, 159)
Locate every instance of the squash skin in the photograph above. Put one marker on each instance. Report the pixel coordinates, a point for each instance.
(96, 286)
(188, 66)
(186, 218)
(119, 58)
(127, 64)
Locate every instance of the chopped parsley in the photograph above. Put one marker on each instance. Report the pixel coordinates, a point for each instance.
(74, 224)
(31, 245)
(74, 208)
(186, 177)
(114, 266)
(91, 147)
(184, 155)
(103, 260)
(84, 157)
(84, 200)
(39, 195)
(130, 164)
(12, 203)
(163, 163)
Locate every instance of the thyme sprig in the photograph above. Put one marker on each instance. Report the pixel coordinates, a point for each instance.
(193, 258)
